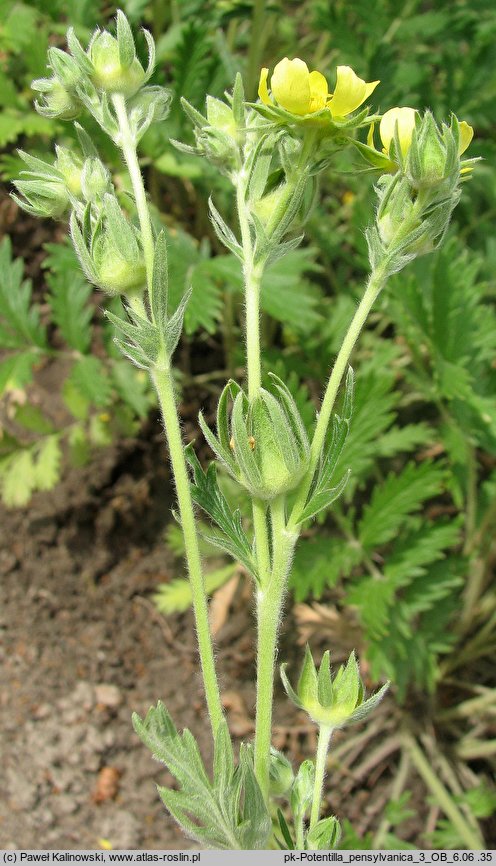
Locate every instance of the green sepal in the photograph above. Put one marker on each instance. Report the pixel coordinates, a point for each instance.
(160, 281)
(125, 41)
(121, 233)
(242, 451)
(324, 681)
(324, 835)
(86, 142)
(223, 232)
(286, 835)
(302, 791)
(197, 119)
(173, 329)
(288, 687)
(307, 687)
(238, 101)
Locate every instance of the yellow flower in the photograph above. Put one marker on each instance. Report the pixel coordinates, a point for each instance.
(405, 118)
(466, 135)
(302, 92)
(350, 92)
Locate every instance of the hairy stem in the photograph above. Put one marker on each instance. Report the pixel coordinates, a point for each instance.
(374, 286)
(162, 380)
(325, 733)
(270, 598)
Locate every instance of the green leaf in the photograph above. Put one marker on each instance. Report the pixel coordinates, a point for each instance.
(395, 499)
(17, 371)
(228, 813)
(17, 478)
(68, 299)
(32, 418)
(77, 403)
(176, 596)
(206, 493)
(133, 387)
(19, 319)
(90, 378)
(47, 466)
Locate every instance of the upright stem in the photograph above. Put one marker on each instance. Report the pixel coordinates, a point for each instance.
(128, 146)
(320, 768)
(374, 286)
(269, 602)
(252, 278)
(162, 380)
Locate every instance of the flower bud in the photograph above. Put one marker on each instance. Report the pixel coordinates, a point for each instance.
(70, 167)
(108, 248)
(324, 835)
(272, 453)
(302, 790)
(95, 179)
(56, 100)
(117, 275)
(281, 774)
(109, 73)
(265, 446)
(331, 702)
(42, 198)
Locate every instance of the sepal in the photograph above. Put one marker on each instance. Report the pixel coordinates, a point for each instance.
(324, 835)
(331, 702)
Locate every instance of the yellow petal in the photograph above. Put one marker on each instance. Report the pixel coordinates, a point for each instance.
(290, 85)
(466, 135)
(262, 86)
(405, 118)
(319, 91)
(350, 92)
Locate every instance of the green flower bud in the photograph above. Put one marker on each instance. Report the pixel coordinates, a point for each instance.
(95, 179)
(281, 774)
(302, 790)
(56, 100)
(269, 444)
(324, 835)
(265, 447)
(332, 702)
(108, 248)
(109, 73)
(115, 274)
(70, 167)
(42, 198)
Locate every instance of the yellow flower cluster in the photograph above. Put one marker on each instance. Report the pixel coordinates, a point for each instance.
(301, 92)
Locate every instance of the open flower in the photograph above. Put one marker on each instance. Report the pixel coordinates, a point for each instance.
(302, 92)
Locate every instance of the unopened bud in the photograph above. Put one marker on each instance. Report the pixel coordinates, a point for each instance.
(109, 74)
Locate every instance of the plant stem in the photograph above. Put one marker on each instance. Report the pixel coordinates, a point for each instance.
(325, 733)
(472, 840)
(162, 379)
(269, 603)
(374, 286)
(128, 145)
(252, 278)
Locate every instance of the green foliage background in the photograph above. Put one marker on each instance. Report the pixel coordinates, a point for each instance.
(409, 549)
